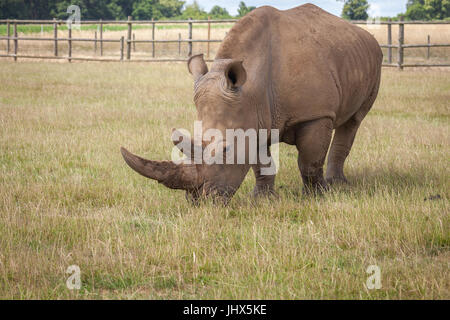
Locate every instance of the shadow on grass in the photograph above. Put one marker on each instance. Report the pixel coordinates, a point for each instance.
(369, 181)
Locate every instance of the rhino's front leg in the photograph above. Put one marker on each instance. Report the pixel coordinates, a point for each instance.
(312, 140)
(264, 183)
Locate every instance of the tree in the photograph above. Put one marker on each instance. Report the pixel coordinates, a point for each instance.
(91, 9)
(156, 9)
(437, 9)
(219, 12)
(143, 10)
(194, 11)
(170, 8)
(416, 11)
(243, 9)
(427, 9)
(414, 2)
(355, 10)
(15, 9)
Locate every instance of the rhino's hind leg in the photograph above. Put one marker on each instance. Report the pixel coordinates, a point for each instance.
(312, 140)
(340, 148)
(344, 137)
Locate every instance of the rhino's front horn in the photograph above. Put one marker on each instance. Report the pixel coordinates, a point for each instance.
(174, 176)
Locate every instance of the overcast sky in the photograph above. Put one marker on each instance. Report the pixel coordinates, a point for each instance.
(377, 7)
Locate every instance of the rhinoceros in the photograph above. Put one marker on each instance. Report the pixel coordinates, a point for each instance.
(302, 71)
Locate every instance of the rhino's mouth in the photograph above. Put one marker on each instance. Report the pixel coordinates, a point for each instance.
(219, 195)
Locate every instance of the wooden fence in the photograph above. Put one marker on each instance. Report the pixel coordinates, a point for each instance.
(130, 41)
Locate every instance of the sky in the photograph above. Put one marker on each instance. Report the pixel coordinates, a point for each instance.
(377, 7)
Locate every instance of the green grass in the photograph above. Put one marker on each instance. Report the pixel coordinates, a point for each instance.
(67, 197)
(33, 28)
(30, 29)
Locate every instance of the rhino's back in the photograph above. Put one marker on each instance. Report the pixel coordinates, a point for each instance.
(315, 45)
(318, 64)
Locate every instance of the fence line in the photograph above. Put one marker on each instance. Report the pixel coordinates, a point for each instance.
(201, 21)
(130, 41)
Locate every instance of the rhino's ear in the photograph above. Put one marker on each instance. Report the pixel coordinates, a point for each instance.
(197, 66)
(235, 74)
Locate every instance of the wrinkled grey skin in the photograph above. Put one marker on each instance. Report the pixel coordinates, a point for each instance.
(302, 71)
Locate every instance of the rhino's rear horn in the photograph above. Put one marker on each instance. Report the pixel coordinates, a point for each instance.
(187, 145)
(174, 176)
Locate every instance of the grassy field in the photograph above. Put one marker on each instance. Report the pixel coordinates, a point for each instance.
(68, 198)
(414, 34)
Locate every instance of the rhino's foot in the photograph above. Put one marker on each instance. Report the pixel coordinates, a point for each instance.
(337, 180)
(315, 189)
(264, 192)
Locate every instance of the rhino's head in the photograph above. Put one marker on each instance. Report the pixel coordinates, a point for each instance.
(221, 105)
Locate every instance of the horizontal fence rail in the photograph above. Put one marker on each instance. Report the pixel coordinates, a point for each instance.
(129, 43)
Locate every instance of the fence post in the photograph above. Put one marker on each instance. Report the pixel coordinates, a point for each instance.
(179, 44)
(134, 43)
(209, 37)
(95, 43)
(8, 31)
(401, 39)
(389, 39)
(70, 42)
(101, 37)
(16, 41)
(190, 38)
(153, 38)
(429, 47)
(121, 48)
(130, 27)
(55, 35)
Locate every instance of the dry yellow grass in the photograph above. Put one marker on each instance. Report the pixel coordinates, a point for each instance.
(67, 197)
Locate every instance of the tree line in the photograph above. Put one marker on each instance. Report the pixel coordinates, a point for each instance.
(177, 9)
(114, 9)
(415, 10)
